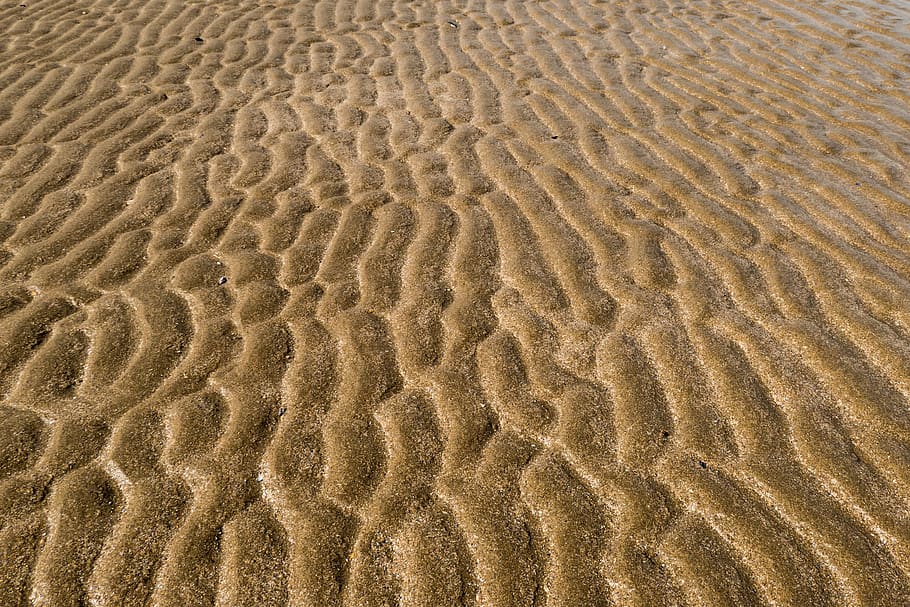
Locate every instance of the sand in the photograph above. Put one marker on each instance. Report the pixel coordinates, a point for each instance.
(457, 303)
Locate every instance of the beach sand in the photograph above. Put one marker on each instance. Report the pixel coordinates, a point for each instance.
(456, 303)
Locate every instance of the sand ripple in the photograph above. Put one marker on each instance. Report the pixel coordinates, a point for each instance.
(468, 302)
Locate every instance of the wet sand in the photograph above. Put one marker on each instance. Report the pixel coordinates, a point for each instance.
(458, 303)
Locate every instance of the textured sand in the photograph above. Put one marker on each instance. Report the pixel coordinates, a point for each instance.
(456, 303)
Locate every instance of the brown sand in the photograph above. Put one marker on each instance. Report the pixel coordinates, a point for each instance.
(455, 303)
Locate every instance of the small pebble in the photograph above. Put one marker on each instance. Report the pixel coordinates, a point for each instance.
(703, 465)
(222, 280)
(198, 39)
(282, 411)
(259, 477)
(453, 24)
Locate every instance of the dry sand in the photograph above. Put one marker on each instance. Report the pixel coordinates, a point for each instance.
(456, 303)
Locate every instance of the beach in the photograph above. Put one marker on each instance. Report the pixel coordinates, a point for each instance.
(457, 303)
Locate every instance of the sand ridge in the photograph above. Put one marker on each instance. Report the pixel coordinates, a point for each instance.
(468, 302)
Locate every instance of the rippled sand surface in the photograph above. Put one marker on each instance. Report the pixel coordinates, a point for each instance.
(454, 303)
